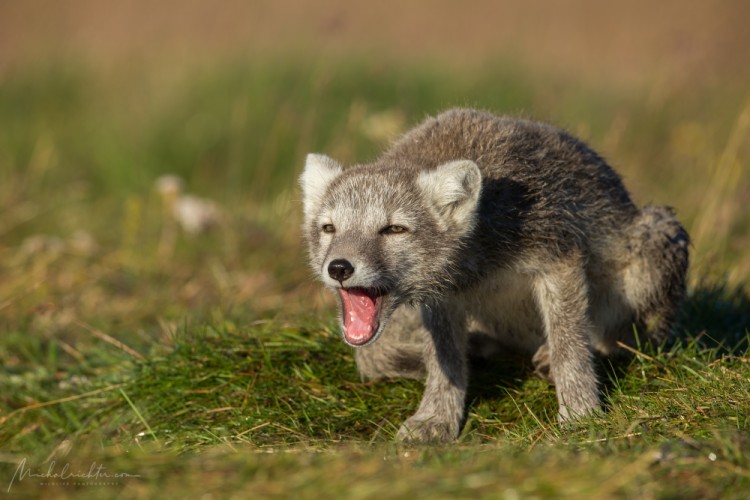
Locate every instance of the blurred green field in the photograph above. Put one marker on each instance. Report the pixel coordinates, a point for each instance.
(210, 362)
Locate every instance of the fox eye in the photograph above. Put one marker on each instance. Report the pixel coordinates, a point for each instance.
(328, 228)
(393, 229)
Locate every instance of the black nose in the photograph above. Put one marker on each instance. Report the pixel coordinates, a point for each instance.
(340, 269)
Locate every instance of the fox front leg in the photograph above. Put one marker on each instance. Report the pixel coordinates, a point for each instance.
(562, 295)
(440, 413)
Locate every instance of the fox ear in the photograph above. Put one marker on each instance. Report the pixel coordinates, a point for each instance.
(453, 188)
(319, 171)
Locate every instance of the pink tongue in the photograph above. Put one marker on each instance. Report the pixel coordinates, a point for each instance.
(360, 316)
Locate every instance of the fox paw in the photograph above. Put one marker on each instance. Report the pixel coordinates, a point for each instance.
(422, 430)
(541, 362)
(567, 414)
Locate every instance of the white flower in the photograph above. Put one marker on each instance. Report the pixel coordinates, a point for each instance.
(194, 214)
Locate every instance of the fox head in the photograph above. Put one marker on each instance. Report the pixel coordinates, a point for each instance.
(383, 235)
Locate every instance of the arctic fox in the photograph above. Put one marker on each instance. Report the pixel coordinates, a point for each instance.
(476, 231)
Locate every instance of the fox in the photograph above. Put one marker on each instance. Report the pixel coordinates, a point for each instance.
(479, 234)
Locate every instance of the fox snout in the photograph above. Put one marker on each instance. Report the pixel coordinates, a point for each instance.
(340, 270)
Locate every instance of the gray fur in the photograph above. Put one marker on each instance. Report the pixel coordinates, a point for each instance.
(517, 235)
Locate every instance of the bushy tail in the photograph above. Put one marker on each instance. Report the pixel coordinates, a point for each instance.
(656, 277)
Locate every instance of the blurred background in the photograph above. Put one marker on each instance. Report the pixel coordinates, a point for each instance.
(149, 150)
(631, 41)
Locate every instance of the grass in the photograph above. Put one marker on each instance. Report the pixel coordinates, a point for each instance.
(210, 363)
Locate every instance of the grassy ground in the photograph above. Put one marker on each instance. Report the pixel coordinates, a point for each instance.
(210, 363)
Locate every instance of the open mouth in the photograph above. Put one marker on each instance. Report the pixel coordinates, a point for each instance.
(361, 309)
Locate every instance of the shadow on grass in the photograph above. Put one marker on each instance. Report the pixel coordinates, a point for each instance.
(714, 316)
(492, 378)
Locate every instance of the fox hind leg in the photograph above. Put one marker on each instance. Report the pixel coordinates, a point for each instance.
(398, 352)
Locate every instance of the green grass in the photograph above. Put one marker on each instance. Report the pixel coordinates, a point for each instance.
(211, 363)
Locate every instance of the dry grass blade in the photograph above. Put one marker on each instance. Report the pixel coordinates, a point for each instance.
(44, 404)
(111, 340)
(635, 351)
